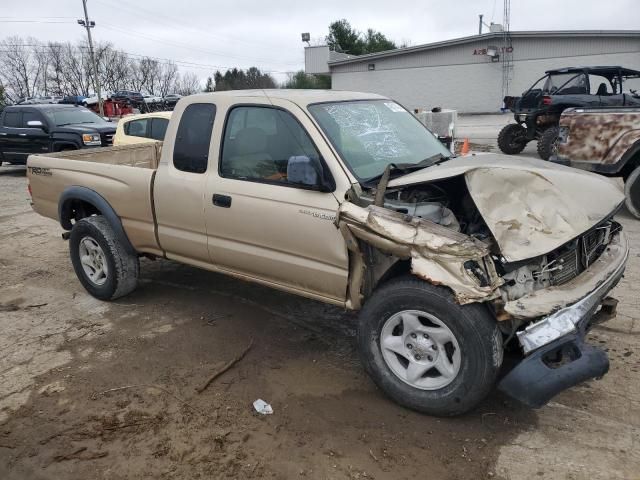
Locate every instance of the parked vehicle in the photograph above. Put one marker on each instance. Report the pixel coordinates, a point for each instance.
(50, 99)
(92, 99)
(538, 110)
(144, 128)
(127, 96)
(28, 101)
(171, 99)
(151, 98)
(347, 198)
(72, 99)
(604, 141)
(31, 129)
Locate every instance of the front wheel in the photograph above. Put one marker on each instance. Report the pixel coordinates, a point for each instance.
(427, 352)
(632, 193)
(512, 139)
(103, 265)
(548, 143)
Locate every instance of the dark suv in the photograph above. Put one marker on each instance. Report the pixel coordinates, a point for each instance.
(127, 96)
(30, 129)
(538, 110)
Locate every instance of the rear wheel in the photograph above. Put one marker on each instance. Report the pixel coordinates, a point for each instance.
(427, 352)
(632, 193)
(548, 143)
(512, 139)
(103, 265)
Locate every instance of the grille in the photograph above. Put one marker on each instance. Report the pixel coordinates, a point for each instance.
(572, 259)
(567, 266)
(107, 139)
(591, 243)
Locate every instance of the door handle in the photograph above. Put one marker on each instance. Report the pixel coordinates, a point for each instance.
(223, 201)
(22, 134)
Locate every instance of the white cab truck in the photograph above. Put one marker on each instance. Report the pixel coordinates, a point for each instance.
(346, 198)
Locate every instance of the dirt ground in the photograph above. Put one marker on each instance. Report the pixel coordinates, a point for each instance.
(92, 390)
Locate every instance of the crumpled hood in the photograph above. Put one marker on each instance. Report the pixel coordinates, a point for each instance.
(531, 206)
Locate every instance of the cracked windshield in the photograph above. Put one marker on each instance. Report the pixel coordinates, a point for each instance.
(369, 135)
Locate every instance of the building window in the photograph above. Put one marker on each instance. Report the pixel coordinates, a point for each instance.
(372, 66)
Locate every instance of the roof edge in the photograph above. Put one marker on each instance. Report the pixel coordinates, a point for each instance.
(486, 36)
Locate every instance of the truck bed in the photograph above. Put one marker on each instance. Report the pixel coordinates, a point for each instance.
(123, 176)
(144, 155)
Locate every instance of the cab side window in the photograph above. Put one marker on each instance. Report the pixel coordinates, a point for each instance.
(191, 148)
(29, 117)
(158, 128)
(13, 119)
(267, 144)
(136, 128)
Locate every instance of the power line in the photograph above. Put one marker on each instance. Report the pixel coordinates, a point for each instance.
(130, 32)
(34, 21)
(171, 22)
(109, 26)
(165, 61)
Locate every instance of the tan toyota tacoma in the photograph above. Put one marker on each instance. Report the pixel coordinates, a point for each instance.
(346, 198)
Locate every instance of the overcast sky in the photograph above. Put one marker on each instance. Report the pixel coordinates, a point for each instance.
(266, 34)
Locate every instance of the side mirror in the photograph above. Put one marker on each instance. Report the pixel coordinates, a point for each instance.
(106, 119)
(36, 124)
(307, 171)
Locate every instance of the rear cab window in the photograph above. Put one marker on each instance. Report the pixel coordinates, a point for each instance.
(12, 119)
(136, 128)
(193, 139)
(159, 128)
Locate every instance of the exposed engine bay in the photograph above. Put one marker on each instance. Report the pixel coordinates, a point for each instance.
(449, 204)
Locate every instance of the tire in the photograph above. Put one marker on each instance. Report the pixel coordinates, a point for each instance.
(632, 193)
(476, 336)
(512, 139)
(93, 237)
(547, 144)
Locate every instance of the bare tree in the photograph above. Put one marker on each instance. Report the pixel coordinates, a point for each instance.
(20, 67)
(188, 84)
(168, 76)
(30, 68)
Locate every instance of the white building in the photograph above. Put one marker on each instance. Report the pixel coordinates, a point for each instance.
(472, 74)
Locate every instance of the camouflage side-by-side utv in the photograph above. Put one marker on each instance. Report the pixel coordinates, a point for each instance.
(538, 110)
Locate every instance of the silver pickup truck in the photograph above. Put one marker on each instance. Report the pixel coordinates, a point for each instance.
(346, 198)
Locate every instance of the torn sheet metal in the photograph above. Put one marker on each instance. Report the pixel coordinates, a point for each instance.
(437, 253)
(531, 207)
(553, 299)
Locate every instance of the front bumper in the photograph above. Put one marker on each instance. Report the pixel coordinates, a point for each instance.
(557, 356)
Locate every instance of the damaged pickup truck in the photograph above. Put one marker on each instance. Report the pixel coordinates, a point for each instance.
(346, 198)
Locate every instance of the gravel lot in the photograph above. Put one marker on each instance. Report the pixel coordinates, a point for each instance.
(107, 390)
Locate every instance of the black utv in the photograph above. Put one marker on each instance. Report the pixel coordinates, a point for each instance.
(538, 110)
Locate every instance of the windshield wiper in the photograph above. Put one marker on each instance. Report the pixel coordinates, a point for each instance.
(405, 168)
(401, 167)
(72, 123)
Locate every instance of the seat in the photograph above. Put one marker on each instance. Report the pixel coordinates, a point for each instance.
(602, 89)
(251, 157)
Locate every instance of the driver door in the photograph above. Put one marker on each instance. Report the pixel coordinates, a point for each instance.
(261, 224)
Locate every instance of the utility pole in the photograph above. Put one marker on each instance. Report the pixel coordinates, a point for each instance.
(96, 83)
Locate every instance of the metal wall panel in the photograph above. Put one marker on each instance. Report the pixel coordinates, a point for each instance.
(453, 77)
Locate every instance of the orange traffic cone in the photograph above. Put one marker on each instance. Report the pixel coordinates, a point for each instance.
(465, 147)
